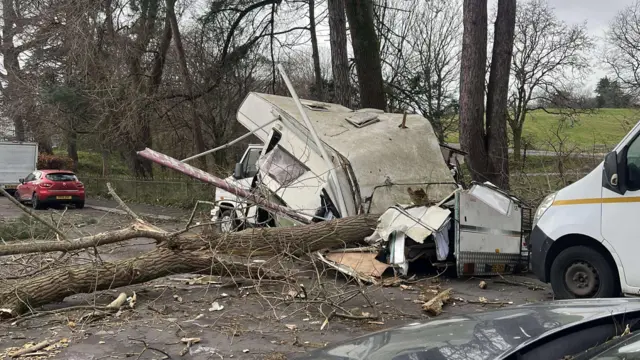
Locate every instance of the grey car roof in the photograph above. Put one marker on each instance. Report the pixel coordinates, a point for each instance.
(477, 336)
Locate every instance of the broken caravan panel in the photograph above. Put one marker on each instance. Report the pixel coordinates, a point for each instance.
(491, 231)
(380, 160)
(291, 165)
(488, 236)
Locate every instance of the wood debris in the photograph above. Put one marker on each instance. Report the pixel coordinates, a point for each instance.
(434, 306)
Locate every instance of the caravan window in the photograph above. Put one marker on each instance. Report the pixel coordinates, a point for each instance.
(282, 166)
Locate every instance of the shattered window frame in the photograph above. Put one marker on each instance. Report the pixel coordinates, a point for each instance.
(281, 166)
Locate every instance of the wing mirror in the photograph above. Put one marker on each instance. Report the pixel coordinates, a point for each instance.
(238, 172)
(21, 181)
(614, 173)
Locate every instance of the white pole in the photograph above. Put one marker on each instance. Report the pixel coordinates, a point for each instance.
(332, 173)
(229, 143)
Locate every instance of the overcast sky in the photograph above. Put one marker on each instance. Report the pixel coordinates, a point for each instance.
(597, 14)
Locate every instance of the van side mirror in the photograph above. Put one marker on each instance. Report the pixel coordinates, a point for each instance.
(238, 172)
(613, 174)
(21, 181)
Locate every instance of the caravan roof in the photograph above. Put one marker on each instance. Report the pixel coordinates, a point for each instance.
(379, 150)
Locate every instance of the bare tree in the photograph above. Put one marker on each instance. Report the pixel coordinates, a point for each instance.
(422, 68)
(622, 48)
(546, 54)
(339, 58)
(366, 50)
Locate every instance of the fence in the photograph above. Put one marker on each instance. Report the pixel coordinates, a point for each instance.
(180, 192)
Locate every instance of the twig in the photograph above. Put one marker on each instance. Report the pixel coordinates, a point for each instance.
(36, 347)
(356, 317)
(32, 214)
(147, 347)
(121, 203)
(531, 286)
(20, 320)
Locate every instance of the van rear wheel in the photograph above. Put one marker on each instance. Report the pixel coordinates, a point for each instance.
(582, 272)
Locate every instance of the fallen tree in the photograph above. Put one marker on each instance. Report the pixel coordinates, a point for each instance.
(180, 252)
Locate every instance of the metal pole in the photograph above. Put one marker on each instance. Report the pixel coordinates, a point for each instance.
(231, 142)
(196, 173)
(316, 139)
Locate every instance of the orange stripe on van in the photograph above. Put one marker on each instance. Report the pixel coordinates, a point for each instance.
(615, 200)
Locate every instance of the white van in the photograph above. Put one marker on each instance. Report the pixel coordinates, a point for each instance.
(583, 240)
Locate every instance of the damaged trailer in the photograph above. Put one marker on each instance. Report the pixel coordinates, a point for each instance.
(479, 231)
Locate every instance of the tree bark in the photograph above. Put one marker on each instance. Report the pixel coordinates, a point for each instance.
(188, 83)
(497, 93)
(72, 147)
(12, 67)
(517, 142)
(339, 58)
(366, 50)
(472, 77)
(315, 54)
(222, 254)
(141, 136)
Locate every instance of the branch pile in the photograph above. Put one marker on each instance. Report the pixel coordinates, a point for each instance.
(179, 252)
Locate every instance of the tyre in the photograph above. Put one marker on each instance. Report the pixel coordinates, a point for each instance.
(582, 272)
(17, 197)
(79, 205)
(227, 221)
(35, 203)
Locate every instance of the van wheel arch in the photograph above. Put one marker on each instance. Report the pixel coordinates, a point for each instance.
(571, 240)
(225, 206)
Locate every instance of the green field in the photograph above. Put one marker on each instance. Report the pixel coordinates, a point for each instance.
(602, 128)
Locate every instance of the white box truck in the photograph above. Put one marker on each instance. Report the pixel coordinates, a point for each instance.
(17, 160)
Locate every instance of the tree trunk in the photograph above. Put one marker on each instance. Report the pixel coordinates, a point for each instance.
(315, 54)
(12, 67)
(72, 147)
(141, 135)
(183, 254)
(188, 83)
(366, 50)
(105, 163)
(517, 142)
(497, 93)
(339, 59)
(472, 77)
(45, 147)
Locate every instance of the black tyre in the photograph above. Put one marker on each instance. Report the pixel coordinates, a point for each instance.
(35, 203)
(17, 196)
(582, 272)
(79, 205)
(227, 221)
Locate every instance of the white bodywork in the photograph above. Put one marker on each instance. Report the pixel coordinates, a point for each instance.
(17, 160)
(587, 208)
(227, 200)
(386, 160)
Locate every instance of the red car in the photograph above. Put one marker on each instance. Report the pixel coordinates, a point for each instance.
(43, 188)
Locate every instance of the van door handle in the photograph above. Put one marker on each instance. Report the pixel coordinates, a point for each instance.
(614, 180)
